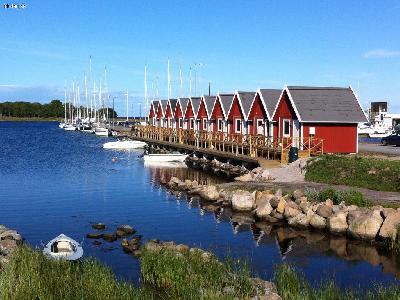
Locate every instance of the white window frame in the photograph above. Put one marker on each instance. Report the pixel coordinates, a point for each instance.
(286, 121)
(220, 122)
(262, 124)
(180, 122)
(205, 124)
(191, 123)
(240, 126)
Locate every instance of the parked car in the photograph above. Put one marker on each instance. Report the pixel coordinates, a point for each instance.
(393, 139)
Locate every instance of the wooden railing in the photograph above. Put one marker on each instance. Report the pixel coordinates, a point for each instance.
(237, 144)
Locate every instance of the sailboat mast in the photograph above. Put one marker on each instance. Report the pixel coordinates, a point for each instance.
(127, 105)
(65, 104)
(190, 82)
(74, 96)
(169, 83)
(100, 100)
(181, 81)
(106, 90)
(94, 100)
(90, 94)
(86, 99)
(145, 92)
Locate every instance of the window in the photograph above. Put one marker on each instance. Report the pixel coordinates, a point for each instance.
(260, 126)
(220, 125)
(286, 128)
(238, 126)
(180, 123)
(191, 123)
(204, 124)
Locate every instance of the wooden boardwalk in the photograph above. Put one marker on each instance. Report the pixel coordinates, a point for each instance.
(256, 149)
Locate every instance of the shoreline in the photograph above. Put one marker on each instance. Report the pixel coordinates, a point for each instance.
(33, 119)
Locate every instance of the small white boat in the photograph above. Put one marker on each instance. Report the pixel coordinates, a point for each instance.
(124, 145)
(70, 127)
(101, 131)
(379, 134)
(169, 157)
(63, 247)
(62, 125)
(165, 164)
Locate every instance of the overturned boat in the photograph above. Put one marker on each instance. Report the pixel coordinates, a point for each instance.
(63, 247)
(123, 145)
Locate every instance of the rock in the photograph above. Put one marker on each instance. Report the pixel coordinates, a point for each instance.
(245, 178)
(209, 193)
(211, 208)
(99, 226)
(264, 176)
(305, 205)
(265, 290)
(277, 215)
(153, 245)
(109, 237)
(329, 202)
(129, 246)
(243, 201)
(318, 222)
(281, 206)
(300, 220)
(387, 211)
(11, 235)
(120, 233)
(390, 225)
(263, 196)
(127, 229)
(278, 193)
(182, 248)
(225, 195)
(364, 224)
(242, 218)
(96, 243)
(264, 210)
(274, 201)
(324, 210)
(271, 219)
(137, 253)
(337, 223)
(297, 194)
(94, 235)
(7, 247)
(291, 210)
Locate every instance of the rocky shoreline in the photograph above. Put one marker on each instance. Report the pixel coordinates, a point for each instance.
(371, 224)
(9, 240)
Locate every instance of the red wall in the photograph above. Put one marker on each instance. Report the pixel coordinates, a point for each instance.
(159, 112)
(257, 112)
(216, 114)
(284, 111)
(178, 111)
(202, 114)
(338, 138)
(151, 113)
(235, 113)
(189, 115)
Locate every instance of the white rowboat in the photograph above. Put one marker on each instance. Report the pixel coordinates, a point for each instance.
(170, 157)
(100, 131)
(63, 247)
(124, 145)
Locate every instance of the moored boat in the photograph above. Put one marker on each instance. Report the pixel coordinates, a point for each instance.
(63, 247)
(169, 157)
(101, 131)
(124, 145)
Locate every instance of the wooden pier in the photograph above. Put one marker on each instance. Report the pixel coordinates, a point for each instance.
(243, 147)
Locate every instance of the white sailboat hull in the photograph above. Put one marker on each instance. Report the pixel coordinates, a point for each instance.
(165, 157)
(124, 145)
(102, 132)
(70, 128)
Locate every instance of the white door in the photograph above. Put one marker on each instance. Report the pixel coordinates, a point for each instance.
(296, 134)
(260, 126)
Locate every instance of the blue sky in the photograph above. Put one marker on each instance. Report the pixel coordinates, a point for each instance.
(235, 45)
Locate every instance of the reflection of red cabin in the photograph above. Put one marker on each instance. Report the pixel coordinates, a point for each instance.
(327, 113)
(203, 114)
(259, 119)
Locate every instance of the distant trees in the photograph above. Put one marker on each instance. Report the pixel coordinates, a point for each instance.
(54, 109)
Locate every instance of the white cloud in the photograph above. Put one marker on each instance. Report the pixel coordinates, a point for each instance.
(381, 53)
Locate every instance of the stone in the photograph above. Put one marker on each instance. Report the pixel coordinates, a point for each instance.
(337, 223)
(305, 206)
(225, 195)
(174, 182)
(264, 290)
(109, 237)
(264, 176)
(317, 221)
(300, 220)
(94, 235)
(11, 235)
(291, 210)
(274, 201)
(243, 201)
(390, 225)
(99, 226)
(387, 211)
(281, 206)
(277, 215)
(324, 210)
(211, 208)
(297, 194)
(263, 196)
(244, 178)
(242, 218)
(127, 229)
(209, 193)
(364, 224)
(271, 219)
(329, 202)
(263, 210)
(153, 245)
(182, 248)
(278, 193)
(120, 233)
(7, 247)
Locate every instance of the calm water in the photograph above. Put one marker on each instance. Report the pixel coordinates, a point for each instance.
(53, 182)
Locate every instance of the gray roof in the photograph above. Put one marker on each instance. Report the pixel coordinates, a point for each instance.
(164, 106)
(326, 104)
(246, 98)
(226, 100)
(173, 105)
(209, 101)
(184, 102)
(271, 99)
(195, 104)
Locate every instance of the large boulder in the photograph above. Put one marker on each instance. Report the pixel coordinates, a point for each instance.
(300, 220)
(11, 235)
(243, 201)
(280, 208)
(364, 224)
(391, 225)
(209, 193)
(263, 210)
(297, 194)
(337, 223)
(324, 210)
(263, 196)
(317, 221)
(245, 177)
(291, 210)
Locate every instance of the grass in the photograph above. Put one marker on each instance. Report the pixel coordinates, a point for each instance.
(189, 276)
(350, 197)
(292, 285)
(371, 173)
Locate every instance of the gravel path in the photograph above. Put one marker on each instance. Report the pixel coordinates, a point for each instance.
(379, 149)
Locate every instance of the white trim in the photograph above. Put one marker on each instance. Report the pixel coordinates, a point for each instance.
(184, 115)
(293, 105)
(357, 141)
(194, 113)
(359, 104)
(262, 102)
(220, 103)
(277, 103)
(283, 127)
(212, 110)
(204, 120)
(203, 100)
(236, 94)
(235, 124)
(341, 122)
(256, 125)
(222, 124)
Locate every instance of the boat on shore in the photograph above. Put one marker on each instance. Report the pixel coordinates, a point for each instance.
(168, 157)
(63, 247)
(124, 145)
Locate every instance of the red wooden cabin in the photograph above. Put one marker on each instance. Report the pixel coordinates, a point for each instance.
(218, 115)
(195, 104)
(238, 111)
(204, 113)
(178, 114)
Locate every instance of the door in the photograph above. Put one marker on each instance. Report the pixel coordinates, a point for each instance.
(296, 134)
(260, 126)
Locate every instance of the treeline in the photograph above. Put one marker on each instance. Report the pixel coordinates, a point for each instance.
(54, 109)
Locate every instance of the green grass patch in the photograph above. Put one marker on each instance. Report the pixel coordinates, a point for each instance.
(189, 276)
(350, 197)
(371, 173)
(292, 285)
